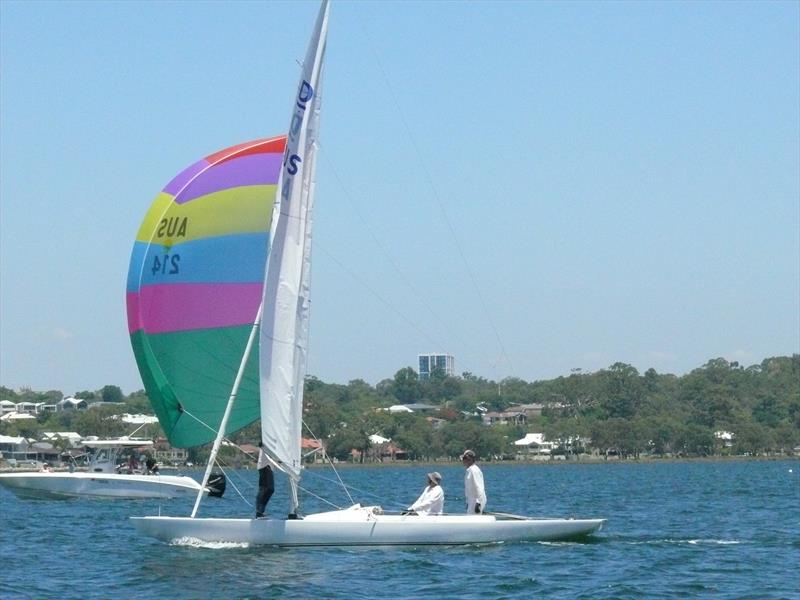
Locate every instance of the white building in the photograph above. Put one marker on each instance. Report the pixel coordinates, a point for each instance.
(16, 416)
(71, 404)
(536, 444)
(428, 363)
(15, 448)
(73, 437)
(725, 438)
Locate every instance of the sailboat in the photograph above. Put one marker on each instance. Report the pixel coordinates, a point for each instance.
(193, 303)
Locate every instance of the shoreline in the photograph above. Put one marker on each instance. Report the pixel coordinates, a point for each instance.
(489, 463)
(551, 463)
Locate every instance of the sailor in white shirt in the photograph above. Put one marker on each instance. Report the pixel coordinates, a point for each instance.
(473, 484)
(431, 501)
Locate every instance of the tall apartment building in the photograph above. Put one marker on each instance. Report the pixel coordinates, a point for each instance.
(428, 363)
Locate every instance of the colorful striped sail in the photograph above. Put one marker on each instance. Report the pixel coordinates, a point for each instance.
(195, 284)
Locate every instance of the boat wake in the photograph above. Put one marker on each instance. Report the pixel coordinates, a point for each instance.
(196, 543)
(667, 541)
(719, 542)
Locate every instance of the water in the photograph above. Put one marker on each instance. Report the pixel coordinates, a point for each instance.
(702, 529)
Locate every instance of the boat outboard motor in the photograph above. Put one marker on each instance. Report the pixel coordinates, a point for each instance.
(216, 485)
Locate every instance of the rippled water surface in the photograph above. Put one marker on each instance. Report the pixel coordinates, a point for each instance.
(703, 529)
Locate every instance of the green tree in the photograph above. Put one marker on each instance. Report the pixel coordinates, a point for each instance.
(406, 387)
(340, 444)
(695, 440)
(8, 394)
(111, 393)
(622, 391)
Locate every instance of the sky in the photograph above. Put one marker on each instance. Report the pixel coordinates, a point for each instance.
(532, 187)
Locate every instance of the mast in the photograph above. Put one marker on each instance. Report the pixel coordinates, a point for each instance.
(286, 302)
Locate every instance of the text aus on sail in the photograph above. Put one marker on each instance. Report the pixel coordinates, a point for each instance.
(169, 228)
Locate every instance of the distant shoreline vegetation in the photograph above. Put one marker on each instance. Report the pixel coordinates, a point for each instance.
(717, 410)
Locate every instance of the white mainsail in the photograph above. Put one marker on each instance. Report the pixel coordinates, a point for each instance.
(285, 318)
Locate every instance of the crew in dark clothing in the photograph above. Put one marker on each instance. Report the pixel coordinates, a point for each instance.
(266, 482)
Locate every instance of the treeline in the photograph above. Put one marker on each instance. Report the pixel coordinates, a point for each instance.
(615, 410)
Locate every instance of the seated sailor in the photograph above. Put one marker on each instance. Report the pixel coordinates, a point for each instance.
(431, 501)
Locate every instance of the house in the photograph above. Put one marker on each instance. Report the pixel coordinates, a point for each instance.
(529, 410)
(536, 444)
(15, 448)
(28, 408)
(379, 448)
(7, 406)
(725, 438)
(435, 422)
(410, 408)
(313, 450)
(16, 416)
(165, 453)
(419, 407)
(45, 452)
(507, 417)
(398, 408)
(71, 404)
(394, 452)
(381, 451)
(73, 437)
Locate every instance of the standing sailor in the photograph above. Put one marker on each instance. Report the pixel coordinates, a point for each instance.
(473, 484)
(266, 481)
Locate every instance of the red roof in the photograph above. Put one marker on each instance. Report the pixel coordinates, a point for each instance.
(309, 444)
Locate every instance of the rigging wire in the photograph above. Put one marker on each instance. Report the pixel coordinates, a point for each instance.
(363, 492)
(338, 479)
(325, 454)
(218, 463)
(233, 444)
(390, 259)
(328, 502)
(378, 296)
(436, 195)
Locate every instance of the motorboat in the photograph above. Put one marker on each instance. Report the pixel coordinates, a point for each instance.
(105, 477)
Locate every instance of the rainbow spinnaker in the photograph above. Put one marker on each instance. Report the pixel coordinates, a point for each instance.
(195, 285)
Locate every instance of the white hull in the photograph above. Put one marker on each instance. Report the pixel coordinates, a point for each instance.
(104, 485)
(364, 527)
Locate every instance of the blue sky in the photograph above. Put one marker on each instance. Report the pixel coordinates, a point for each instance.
(530, 186)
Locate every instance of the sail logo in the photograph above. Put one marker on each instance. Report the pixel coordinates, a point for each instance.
(292, 161)
(172, 226)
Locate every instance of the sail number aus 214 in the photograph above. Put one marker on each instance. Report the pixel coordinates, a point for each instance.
(166, 264)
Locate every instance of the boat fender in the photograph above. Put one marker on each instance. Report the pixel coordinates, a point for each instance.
(216, 485)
